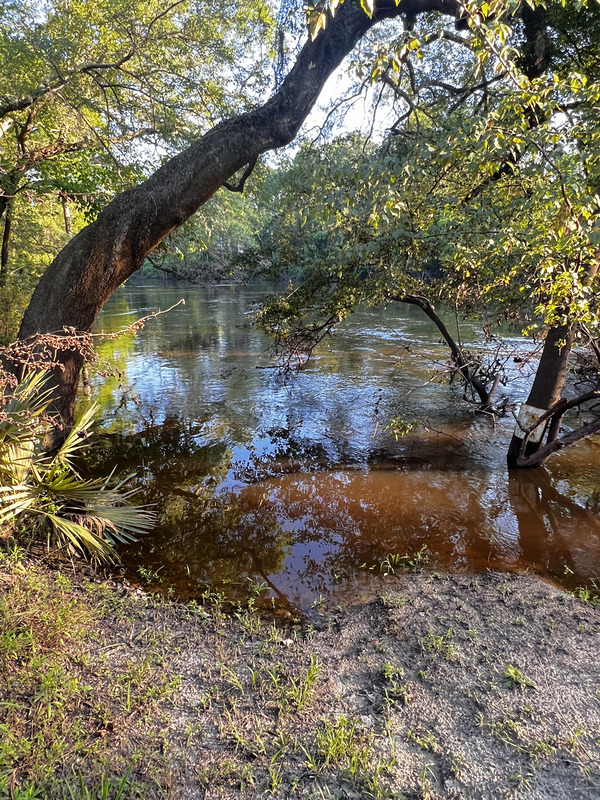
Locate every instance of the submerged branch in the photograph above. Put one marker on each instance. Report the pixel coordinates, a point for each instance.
(464, 368)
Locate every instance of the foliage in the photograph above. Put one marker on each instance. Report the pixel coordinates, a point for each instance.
(485, 198)
(38, 232)
(208, 246)
(94, 97)
(46, 494)
(111, 71)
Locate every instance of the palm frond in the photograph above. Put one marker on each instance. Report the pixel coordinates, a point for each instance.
(126, 522)
(73, 534)
(70, 485)
(16, 500)
(22, 415)
(89, 516)
(15, 460)
(77, 438)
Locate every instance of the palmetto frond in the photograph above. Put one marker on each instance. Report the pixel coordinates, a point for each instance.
(76, 440)
(72, 534)
(16, 500)
(48, 493)
(22, 416)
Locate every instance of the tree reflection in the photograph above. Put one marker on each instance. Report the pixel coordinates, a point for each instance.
(558, 537)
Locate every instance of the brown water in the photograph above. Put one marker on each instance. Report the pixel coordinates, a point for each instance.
(295, 483)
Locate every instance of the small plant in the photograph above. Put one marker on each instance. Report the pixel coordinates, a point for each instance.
(458, 765)
(441, 643)
(231, 677)
(521, 780)
(589, 594)
(149, 575)
(275, 779)
(394, 561)
(399, 427)
(107, 789)
(425, 782)
(396, 690)
(391, 563)
(300, 688)
(515, 677)
(47, 493)
(425, 739)
(335, 741)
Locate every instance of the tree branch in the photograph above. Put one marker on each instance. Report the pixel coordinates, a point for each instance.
(543, 453)
(458, 357)
(246, 174)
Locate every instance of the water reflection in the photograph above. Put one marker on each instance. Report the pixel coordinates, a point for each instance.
(307, 533)
(298, 484)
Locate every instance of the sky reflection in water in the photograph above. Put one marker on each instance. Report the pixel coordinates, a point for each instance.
(296, 482)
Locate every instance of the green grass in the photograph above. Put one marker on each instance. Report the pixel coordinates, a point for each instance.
(58, 710)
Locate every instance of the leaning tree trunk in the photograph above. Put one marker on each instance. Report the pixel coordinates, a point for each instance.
(102, 256)
(528, 436)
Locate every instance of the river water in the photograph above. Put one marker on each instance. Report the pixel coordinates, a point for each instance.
(295, 485)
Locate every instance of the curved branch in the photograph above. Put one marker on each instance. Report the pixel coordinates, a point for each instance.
(461, 362)
(541, 455)
(246, 174)
(56, 82)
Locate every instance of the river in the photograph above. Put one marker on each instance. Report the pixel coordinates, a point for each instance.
(294, 486)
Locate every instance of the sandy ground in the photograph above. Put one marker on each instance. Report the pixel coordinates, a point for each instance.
(478, 687)
(482, 686)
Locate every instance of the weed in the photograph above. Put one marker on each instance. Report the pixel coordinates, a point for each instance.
(425, 739)
(515, 677)
(231, 677)
(522, 780)
(425, 782)
(440, 643)
(396, 689)
(275, 779)
(213, 598)
(542, 748)
(248, 619)
(149, 575)
(572, 740)
(391, 600)
(589, 594)
(393, 561)
(107, 789)
(508, 731)
(458, 764)
(300, 688)
(372, 783)
(252, 745)
(256, 589)
(341, 743)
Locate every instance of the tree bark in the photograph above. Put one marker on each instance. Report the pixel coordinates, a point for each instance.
(5, 241)
(545, 393)
(96, 261)
(67, 214)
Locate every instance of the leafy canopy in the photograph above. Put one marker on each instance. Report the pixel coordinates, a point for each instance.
(487, 196)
